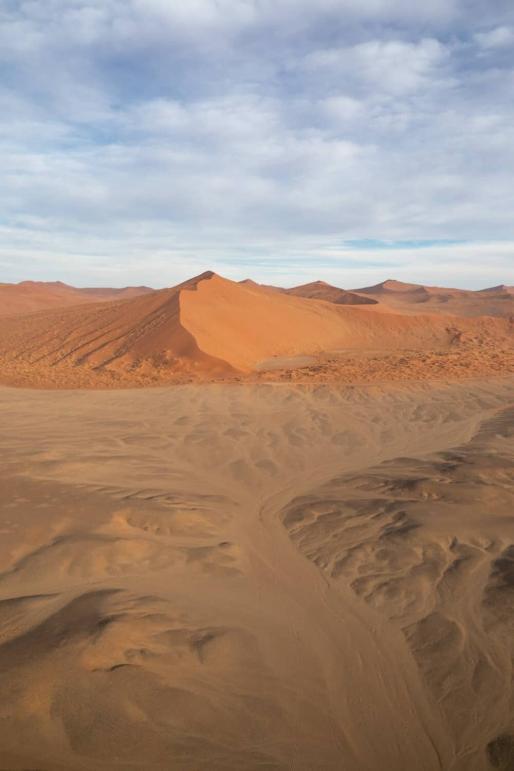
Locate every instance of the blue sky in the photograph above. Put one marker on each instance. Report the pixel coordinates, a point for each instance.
(286, 140)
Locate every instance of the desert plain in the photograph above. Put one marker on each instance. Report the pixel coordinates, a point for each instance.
(245, 527)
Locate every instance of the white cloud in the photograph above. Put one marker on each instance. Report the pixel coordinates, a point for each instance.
(266, 128)
(400, 67)
(499, 37)
(394, 67)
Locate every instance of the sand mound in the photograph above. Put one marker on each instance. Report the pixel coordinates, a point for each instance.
(320, 290)
(501, 291)
(390, 285)
(31, 296)
(411, 298)
(209, 327)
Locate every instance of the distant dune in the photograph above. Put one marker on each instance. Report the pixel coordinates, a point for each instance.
(501, 291)
(31, 296)
(495, 301)
(320, 290)
(316, 290)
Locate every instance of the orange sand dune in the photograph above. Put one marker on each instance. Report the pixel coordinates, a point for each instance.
(249, 282)
(144, 332)
(317, 290)
(30, 296)
(411, 298)
(246, 325)
(498, 291)
(210, 326)
(320, 290)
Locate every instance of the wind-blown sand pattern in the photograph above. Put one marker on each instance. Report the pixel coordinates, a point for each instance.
(257, 576)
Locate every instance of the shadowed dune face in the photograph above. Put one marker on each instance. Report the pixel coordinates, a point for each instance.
(210, 328)
(257, 577)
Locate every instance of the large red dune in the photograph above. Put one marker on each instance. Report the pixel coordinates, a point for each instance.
(211, 327)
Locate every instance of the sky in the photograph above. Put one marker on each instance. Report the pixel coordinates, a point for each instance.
(145, 141)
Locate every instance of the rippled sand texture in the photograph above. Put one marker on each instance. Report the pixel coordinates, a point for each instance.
(257, 577)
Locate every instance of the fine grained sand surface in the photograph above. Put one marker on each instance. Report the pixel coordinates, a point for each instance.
(257, 577)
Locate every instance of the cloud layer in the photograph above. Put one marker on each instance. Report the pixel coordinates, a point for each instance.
(146, 140)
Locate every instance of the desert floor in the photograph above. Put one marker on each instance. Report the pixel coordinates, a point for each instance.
(258, 577)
